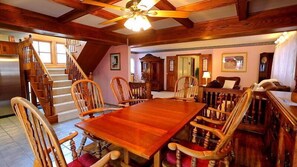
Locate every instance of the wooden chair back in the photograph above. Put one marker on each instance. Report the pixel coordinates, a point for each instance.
(87, 96)
(41, 136)
(230, 124)
(121, 90)
(186, 87)
(234, 120)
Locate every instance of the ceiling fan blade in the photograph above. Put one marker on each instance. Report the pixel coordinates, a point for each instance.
(105, 5)
(168, 13)
(147, 4)
(112, 20)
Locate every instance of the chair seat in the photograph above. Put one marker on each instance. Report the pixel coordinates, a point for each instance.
(85, 160)
(185, 159)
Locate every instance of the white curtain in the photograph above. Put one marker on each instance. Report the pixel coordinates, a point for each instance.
(284, 61)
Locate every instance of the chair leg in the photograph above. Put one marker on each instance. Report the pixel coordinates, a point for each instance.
(82, 144)
(98, 149)
(211, 163)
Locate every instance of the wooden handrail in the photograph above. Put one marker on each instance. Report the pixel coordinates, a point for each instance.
(45, 71)
(76, 64)
(29, 43)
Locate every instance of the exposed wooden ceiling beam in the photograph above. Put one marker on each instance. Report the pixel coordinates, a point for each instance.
(206, 5)
(165, 5)
(77, 12)
(242, 7)
(24, 20)
(270, 21)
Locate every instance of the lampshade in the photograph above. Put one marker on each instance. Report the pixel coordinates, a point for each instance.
(206, 74)
(137, 22)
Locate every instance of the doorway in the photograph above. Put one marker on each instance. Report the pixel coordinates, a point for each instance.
(181, 65)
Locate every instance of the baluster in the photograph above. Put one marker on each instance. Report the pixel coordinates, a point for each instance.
(253, 109)
(178, 157)
(259, 110)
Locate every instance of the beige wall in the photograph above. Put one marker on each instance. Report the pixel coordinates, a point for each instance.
(247, 78)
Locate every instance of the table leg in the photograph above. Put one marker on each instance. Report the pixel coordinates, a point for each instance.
(157, 159)
(126, 159)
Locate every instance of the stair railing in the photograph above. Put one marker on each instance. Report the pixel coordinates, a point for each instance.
(73, 69)
(40, 80)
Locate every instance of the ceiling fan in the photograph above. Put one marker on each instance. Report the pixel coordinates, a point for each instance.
(136, 11)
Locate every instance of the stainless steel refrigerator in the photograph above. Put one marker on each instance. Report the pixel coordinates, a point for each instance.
(10, 85)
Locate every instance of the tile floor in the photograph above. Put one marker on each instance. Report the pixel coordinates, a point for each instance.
(15, 150)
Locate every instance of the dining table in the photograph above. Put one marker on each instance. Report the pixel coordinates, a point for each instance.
(143, 129)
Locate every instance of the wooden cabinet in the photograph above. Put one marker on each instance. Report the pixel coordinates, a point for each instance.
(8, 48)
(265, 66)
(152, 70)
(281, 134)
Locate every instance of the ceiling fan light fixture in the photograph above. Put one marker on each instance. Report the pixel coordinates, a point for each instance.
(137, 23)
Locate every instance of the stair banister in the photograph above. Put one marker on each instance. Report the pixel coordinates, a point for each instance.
(69, 70)
(41, 63)
(38, 75)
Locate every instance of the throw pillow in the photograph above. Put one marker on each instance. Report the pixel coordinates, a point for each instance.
(229, 84)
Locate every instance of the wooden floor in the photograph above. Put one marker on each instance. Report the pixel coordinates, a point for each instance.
(249, 150)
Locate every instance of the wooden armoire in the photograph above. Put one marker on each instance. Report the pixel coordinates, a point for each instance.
(152, 70)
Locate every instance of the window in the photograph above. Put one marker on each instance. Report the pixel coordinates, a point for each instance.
(44, 50)
(61, 53)
(132, 66)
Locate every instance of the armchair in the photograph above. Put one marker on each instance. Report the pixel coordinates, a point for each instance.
(122, 92)
(186, 88)
(88, 100)
(44, 142)
(192, 154)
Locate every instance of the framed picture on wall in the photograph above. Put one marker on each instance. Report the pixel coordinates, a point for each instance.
(115, 61)
(204, 65)
(234, 62)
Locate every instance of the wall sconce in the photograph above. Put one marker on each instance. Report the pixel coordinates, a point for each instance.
(206, 75)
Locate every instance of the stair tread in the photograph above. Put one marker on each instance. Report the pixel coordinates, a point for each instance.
(59, 74)
(62, 95)
(64, 87)
(63, 81)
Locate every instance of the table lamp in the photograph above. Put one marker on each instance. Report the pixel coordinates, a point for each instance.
(206, 75)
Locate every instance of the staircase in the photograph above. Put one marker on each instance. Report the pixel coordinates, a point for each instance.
(63, 103)
(51, 86)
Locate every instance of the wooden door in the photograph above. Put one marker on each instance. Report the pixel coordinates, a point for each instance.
(171, 63)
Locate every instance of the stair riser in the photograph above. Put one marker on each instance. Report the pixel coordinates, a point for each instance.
(62, 84)
(62, 99)
(67, 116)
(62, 77)
(61, 91)
(62, 71)
(64, 107)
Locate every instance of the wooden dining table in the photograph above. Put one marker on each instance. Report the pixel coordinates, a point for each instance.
(144, 128)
